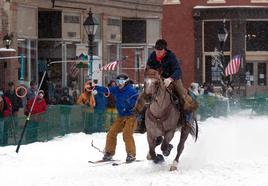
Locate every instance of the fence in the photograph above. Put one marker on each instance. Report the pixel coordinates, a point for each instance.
(59, 120)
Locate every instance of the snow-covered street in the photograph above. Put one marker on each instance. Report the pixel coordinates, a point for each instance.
(229, 151)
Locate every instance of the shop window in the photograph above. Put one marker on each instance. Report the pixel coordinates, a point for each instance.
(256, 34)
(114, 29)
(216, 1)
(214, 68)
(262, 74)
(211, 41)
(71, 26)
(249, 74)
(134, 31)
(169, 2)
(49, 24)
(259, 1)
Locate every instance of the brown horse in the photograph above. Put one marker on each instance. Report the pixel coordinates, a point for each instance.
(162, 118)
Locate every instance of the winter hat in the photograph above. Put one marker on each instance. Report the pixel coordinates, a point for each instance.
(194, 88)
(41, 92)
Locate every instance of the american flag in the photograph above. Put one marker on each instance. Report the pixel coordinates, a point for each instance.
(110, 66)
(73, 70)
(233, 66)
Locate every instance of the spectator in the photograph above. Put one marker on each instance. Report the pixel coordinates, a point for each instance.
(39, 107)
(111, 111)
(66, 100)
(87, 99)
(5, 111)
(15, 101)
(74, 91)
(51, 92)
(32, 90)
(99, 110)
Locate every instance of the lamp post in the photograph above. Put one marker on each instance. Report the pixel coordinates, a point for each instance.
(91, 27)
(222, 36)
(7, 40)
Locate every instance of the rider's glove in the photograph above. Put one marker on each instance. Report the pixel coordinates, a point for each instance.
(167, 81)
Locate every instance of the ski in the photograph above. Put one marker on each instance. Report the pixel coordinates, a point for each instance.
(124, 162)
(101, 161)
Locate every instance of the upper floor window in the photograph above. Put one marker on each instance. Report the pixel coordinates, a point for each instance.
(216, 1)
(211, 41)
(169, 2)
(259, 1)
(256, 35)
(134, 31)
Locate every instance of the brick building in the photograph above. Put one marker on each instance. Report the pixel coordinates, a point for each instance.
(46, 31)
(191, 28)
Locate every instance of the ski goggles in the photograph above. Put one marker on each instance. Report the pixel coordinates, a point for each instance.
(121, 81)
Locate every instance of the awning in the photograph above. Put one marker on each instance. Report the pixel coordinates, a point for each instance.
(110, 66)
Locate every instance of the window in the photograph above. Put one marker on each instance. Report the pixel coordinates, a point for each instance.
(49, 24)
(262, 74)
(256, 34)
(169, 2)
(213, 68)
(259, 1)
(134, 31)
(211, 41)
(216, 1)
(249, 74)
(71, 25)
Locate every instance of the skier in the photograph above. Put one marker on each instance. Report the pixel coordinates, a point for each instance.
(125, 95)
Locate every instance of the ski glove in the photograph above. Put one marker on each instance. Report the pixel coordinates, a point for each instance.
(167, 81)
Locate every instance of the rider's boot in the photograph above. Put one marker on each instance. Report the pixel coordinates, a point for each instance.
(139, 111)
(187, 103)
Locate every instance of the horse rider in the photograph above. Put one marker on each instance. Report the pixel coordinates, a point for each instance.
(125, 98)
(165, 61)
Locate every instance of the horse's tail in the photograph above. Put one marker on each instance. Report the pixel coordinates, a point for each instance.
(196, 129)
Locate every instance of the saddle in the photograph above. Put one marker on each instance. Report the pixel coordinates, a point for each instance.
(183, 102)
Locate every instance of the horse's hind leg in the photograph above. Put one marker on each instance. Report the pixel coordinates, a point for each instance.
(185, 130)
(166, 147)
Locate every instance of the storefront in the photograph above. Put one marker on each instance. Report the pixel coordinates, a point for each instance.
(246, 28)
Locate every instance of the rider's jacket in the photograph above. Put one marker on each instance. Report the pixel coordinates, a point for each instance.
(169, 64)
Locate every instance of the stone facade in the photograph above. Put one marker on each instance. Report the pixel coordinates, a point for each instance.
(124, 9)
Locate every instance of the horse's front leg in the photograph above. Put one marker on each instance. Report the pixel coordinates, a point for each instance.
(157, 158)
(166, 147)
(185, 130)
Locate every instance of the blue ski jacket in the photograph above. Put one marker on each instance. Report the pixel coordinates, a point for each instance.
(125, 98)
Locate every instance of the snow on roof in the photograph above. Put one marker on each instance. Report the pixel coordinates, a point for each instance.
(7, 50)
(234, 6)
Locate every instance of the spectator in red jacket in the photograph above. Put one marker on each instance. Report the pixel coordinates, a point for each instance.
(5, 111)
(39, 107)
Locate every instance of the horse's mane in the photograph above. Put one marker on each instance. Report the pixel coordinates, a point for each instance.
(151, 73)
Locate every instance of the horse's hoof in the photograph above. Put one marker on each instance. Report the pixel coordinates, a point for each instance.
(159, 140)
(159, 159)
(167, 151)
(148, 157)
(174, 166)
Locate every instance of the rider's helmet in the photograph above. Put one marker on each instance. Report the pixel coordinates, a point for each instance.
(121, 80)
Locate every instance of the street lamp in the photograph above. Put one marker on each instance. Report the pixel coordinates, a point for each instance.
(91, 27)
(222, 36)
(7, 40)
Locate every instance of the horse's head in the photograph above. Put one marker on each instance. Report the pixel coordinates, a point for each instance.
(152, 83)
